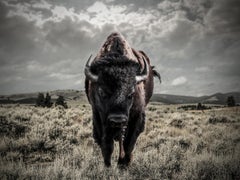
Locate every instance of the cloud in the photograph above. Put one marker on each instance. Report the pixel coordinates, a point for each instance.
(224, 17)
(44, 44)
(179, 81)
(97, 7)
(202, 69)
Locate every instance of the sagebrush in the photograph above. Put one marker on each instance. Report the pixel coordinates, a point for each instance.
(57, 143)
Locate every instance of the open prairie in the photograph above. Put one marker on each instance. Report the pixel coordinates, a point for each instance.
(57, 143)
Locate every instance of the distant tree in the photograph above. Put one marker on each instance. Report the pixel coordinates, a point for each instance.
(61, 101)
(48, 102)
(40, 100)
(231, 101)
(199, 106)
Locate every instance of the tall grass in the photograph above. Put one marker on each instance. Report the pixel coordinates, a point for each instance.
(57, 143)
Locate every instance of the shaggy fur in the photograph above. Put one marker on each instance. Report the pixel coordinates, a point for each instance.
(117, 93)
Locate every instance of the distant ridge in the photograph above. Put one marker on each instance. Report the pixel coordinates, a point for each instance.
(79, 95)
(30, 98)
(218, 98)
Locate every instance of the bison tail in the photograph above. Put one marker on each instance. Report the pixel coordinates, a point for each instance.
(156, 74)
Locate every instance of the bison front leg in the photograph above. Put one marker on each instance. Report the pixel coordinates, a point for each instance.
(129, 144)
(97, 128)
(107, 149)
(135, 127)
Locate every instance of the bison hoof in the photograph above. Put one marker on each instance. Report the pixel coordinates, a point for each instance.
(121, 161)
(124, 162)
(121, 164)
(107, 163)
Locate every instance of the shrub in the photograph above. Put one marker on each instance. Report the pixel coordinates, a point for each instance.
(231, 101)
(44, 102)
(61, 101)
(219, 119)
(48, 102)
(12, 128)
(152, 108)
(40, 102)
(177, 123)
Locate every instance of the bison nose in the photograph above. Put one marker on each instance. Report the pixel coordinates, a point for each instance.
(117, 120)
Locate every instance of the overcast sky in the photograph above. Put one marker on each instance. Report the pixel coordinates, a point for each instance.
(194, 44)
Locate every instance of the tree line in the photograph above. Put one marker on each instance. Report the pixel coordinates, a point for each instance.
(230, 102)
(47, 101)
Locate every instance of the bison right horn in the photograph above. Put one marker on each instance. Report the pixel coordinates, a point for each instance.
(144, 74)
(88, 72)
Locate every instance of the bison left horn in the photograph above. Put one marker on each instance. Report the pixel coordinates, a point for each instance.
(88, 72)
(144, 74)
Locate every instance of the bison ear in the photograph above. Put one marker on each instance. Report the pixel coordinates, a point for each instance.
(89, 75)
(144, 74)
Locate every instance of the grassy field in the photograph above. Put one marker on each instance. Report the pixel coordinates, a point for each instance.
(57, 143)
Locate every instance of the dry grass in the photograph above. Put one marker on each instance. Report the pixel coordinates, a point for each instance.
(56, 143)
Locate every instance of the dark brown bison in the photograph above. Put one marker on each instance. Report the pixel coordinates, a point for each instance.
(119, 84)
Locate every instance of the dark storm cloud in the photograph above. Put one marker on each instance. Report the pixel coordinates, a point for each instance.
(16, 36)
(136, 4)
(44, 44)
(79, 5)
(35, 58)
(224, 17)
(69, 37)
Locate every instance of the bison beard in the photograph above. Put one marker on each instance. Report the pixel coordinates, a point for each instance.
(118, 89)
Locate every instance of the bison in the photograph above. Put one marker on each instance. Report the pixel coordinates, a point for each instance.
(118, 85)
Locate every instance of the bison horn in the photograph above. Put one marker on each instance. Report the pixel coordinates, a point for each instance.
(88, 72)
(144, 74)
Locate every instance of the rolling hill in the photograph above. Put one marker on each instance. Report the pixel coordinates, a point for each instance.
(30, 98)
(76, 95)
(218, 98)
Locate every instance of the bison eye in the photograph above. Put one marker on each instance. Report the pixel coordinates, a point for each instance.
(130, 96)
(101, 93)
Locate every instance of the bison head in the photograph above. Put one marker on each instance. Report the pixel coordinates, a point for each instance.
(113, 81)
